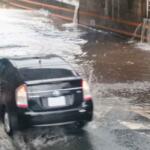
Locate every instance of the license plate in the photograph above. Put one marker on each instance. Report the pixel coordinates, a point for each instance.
(56, 101)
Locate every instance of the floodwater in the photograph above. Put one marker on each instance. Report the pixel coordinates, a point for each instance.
(118, 73)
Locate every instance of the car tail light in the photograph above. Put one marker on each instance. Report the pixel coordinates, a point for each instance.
(86, 91)
(21, 96)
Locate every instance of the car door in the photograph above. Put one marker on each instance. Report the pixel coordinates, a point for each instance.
(9, 83)
(2, 68)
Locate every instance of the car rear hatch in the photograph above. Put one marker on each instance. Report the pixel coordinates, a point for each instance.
(54, 94)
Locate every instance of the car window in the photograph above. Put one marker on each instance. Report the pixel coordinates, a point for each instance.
(44, 73)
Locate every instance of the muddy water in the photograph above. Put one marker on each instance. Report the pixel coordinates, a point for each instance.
(118, 72)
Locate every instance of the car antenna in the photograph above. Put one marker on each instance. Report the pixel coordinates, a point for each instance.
(40, 62)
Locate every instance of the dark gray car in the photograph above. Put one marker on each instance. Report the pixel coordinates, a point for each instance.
(42, 92)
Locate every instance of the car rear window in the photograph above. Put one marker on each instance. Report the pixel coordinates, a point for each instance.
(44, 73)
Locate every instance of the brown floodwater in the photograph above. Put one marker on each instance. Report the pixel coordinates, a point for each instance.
(118, 72)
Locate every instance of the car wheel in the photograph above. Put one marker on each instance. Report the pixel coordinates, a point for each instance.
(7, 125)
(10, 123)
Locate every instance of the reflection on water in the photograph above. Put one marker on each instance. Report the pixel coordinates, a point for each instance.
(114, 60)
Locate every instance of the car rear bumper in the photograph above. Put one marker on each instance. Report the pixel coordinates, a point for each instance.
(60, 117)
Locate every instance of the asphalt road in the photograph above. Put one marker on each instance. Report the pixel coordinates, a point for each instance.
(118, 72)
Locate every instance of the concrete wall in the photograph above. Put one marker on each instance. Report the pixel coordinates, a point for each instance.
(120, 16)
(125, 9)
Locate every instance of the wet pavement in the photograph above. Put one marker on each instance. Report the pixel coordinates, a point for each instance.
(117, 70)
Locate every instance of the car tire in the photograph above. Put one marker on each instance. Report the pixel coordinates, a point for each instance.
(10, 123)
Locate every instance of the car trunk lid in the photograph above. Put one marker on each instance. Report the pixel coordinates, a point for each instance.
(54, 94)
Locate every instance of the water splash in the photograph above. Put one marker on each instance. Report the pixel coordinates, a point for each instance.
(143, 30)
(44, 12)
(75, 17)
(145, 33)
(143, 46)
(113, 8)
(136, 31)
(106, 8)
(118, 5)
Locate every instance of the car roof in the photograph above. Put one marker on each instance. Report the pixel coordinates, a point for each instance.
(51, 61)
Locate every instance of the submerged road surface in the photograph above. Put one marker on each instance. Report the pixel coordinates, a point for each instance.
(118, 72)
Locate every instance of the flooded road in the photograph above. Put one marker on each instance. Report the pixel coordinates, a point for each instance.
(118, 72)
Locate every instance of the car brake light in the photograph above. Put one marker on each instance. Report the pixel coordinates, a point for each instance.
(86, 91)
(21, 96)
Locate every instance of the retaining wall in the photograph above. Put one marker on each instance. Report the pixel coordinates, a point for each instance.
(120, 16)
